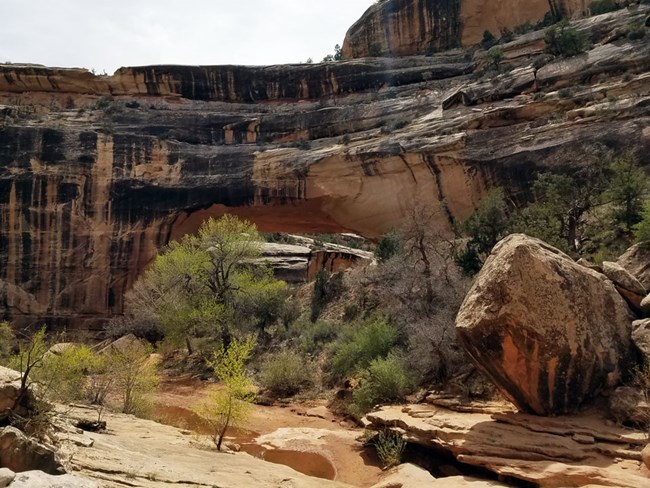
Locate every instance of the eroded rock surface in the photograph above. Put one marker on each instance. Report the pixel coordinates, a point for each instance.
(20, 453)
(407, 27)
(142, 453)
(92, 186)
(548, 452)
(549, 332)
(637, 261)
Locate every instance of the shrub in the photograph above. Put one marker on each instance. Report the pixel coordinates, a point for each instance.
(598, 7)
(489, 40)
(387, 246)
(286, 373)
(524, 28)
(62, 378)
(390, 448)
(326, 288)
(564, 92)
(642, 229)
(563, 40)
(135, 374)
(373, 339)
(506, 35)
(493, 59)
(636, 34)
(384, 381)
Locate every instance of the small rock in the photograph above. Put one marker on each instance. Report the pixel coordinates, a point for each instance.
(6, 477)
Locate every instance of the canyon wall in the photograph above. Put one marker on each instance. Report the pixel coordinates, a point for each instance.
(99, 172)
(407, 27)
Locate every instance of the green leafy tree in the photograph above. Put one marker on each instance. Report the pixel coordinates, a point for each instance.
(485, 227)
(387, 246)
(642, 229)
(564, 40)
(384, 381)
(199, 287)
(230, 405)
(626, 190)
(134, 374)
(493, 59)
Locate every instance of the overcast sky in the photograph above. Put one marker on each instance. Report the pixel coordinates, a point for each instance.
(107, 34)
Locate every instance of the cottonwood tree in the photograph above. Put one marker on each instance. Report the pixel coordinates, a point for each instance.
(199, 287)
(230, 405)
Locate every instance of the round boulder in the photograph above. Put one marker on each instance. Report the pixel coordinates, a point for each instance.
(549, 332)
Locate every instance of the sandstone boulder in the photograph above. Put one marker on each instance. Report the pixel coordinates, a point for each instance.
(20, 453)
(627, 285)
(549, 332)
(629, 405)
(641, 338)
(32, 479)
(6, 477)
(637, 261)
(9, 387)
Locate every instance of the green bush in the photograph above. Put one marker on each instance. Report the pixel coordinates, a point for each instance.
(598, 7)
(390, 448)
(387, 246)
(371, 340)
(489, 40)
(524, 27)
(506, 35)
(314, 336)
(563, 40)
(286, 373)
(642, 229)
(493, 59)
(384, 381)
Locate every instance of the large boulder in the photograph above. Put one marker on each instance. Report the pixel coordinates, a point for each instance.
(9, 388)
(20, 453)
(549, 332)
(627, 285)
(641, 338)
(637, 261)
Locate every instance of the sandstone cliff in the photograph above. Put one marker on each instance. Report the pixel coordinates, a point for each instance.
(98, 172)
(407, 27)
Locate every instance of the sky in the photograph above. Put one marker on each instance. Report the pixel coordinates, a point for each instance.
(105, 35)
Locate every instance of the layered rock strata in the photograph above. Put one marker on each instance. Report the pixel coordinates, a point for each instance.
(547, 452)
(98, 172)
(407, 27)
